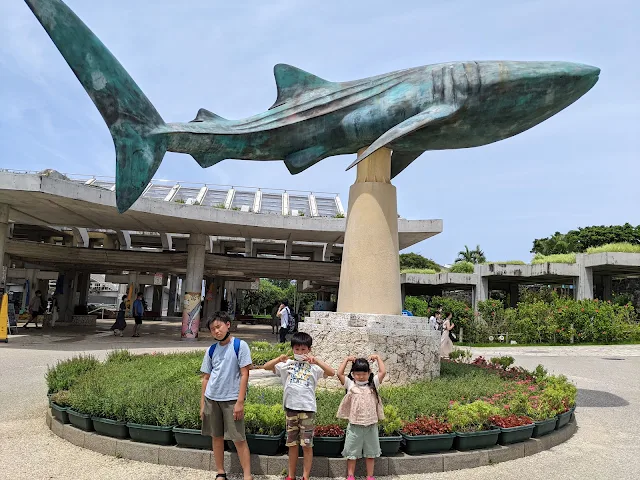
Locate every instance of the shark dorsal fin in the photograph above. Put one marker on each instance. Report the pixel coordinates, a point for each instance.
(205, 115)
(293, 82)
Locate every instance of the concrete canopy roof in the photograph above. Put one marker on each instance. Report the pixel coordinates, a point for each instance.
(100, 260)
(42, 200)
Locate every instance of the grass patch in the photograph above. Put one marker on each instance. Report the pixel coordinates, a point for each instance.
(557, 258)
(462, 267)
(615, 247)
(428, 271)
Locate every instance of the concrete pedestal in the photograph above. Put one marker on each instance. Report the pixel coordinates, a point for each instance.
(370, 273)
(409, 348)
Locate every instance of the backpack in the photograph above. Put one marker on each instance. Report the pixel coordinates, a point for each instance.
(236, 348)
(291, 321)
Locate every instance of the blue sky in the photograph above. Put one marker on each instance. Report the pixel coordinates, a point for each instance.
(579, 168)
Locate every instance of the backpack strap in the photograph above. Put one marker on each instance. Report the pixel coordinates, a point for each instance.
(236, 348)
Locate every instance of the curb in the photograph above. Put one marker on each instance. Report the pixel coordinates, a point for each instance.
(401, 464)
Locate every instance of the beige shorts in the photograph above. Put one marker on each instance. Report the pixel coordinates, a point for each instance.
(218, 421)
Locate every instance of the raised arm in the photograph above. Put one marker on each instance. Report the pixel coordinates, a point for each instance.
(343, 367)
(271, 364)
(382, 371)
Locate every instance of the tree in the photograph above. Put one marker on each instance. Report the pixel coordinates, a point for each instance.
(471, 256)
(576, 241)
(414, 260)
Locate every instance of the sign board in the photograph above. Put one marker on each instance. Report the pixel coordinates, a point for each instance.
(12, 314)
(157, 279)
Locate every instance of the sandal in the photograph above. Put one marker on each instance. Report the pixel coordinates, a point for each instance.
(221, 475)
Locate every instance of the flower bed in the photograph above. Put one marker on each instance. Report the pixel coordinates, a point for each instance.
(468, 399)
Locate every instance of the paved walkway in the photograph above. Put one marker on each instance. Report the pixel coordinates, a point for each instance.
(607, 445)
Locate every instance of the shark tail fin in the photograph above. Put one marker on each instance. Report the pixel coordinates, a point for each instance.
(132, 119)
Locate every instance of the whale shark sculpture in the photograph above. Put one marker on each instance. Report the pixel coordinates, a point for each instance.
(434, 107)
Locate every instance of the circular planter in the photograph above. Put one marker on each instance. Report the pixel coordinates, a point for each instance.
(563, 419)
(60, 413)
(544, 427)
(418, 444)
(192, 438)
(80, 420)
(110, 428)
(151, 434)
(264, 444)
(390, 445)
(515, 434)
(474, 440)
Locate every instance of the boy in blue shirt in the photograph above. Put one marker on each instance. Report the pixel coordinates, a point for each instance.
(224, 387)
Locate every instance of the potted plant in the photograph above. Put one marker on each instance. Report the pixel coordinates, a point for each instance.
(188, 429)
(151, 415)
(427, 435)
(59, 404)
(560, 396)
(389, 431)
(513, 428)
(265, 426)
(472, 426)
(328, 441)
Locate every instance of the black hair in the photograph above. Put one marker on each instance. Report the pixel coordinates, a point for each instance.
(38, 292)
(362, 365)
(124, 297)
(285, 302)
(140, 294)
(301, 338)
(220, 316)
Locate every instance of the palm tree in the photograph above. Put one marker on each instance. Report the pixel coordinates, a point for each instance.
(465, 255)
(471, 256)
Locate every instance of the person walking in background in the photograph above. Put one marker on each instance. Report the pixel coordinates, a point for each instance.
(35, 309)
(120, 323)
(446, 345)
(284, 312)
(275, 321)
(138, 311)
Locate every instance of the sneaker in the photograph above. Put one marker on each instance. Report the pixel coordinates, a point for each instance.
(351, 477)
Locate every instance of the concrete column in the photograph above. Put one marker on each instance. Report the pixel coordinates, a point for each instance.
(403, 294)
(109, 242)
(288, 248)
(607, 293)
(65, 300)
(219, 293)
(583, 285)
(514, 294)
(156, 302)
(84, 282)
(327, 252)
(193, 286)
(4, 233)
(248, 247)
(480, 292)
(173, 286)
(370, 273)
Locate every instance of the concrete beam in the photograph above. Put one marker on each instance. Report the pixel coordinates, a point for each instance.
(125, 279)
(80, 237)
(124, 239)
(21, 274)
(167, 241)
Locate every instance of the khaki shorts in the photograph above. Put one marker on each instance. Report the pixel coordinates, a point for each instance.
(300, 426)
(218, 421)
(361, 442)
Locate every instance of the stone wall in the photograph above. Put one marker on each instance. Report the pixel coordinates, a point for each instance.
(408, 347)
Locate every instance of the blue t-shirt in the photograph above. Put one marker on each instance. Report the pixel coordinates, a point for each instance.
(224, 368)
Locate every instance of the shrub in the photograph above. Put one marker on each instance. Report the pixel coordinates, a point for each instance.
(508, 262)
(504, 362)
(61, 398)
(417, 306)
(67, 372)
(426, 426)
(471, 417)
(556, 258)
(425, 271)
(264, 419)
(462, 267)
(510, 421)
(392, 423)
(328, 431)
(262, 352)
(459, 354)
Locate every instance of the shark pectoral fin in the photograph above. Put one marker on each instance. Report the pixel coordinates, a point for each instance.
(293, 82)
(299, 161)
(207, 159)
(401, 160)
(410, 125)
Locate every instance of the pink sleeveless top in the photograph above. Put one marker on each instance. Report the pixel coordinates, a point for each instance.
(360, 407)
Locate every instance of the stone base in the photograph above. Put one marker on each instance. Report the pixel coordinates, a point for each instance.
(409, 348)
